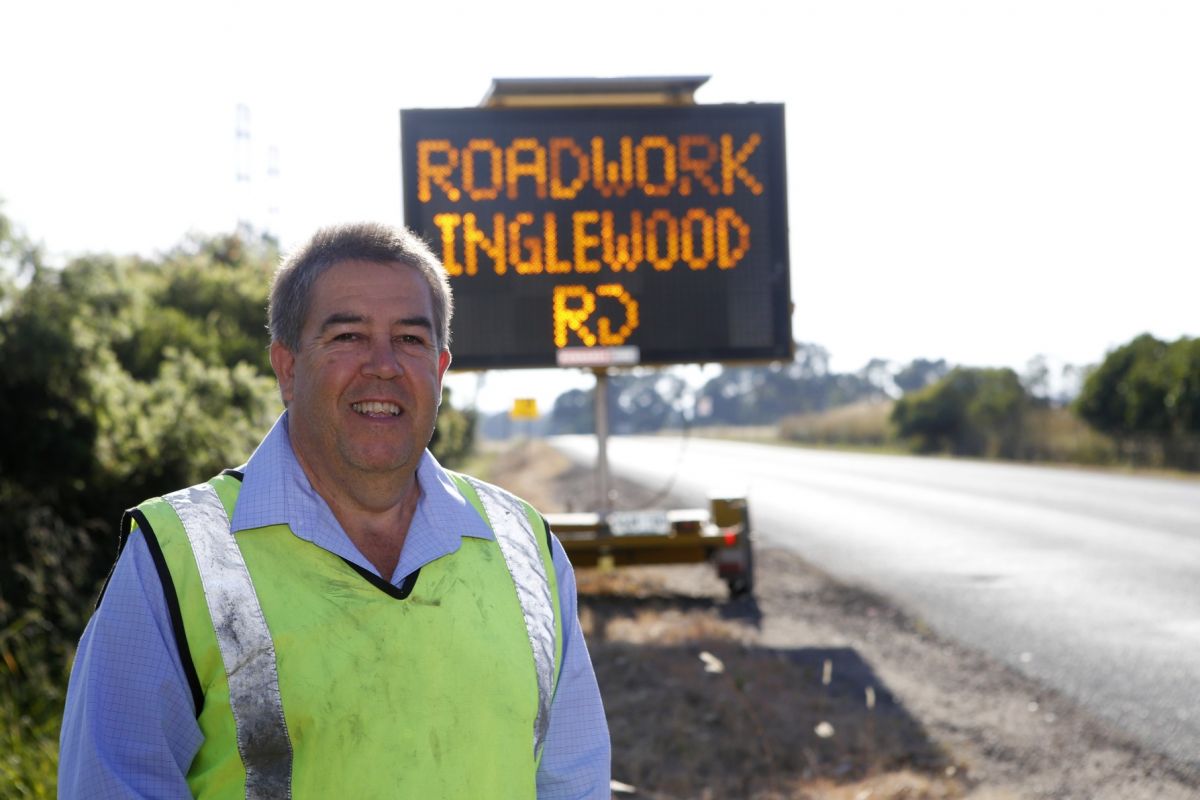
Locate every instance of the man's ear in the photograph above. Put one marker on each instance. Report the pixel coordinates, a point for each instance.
(442, 365)
(283, 361)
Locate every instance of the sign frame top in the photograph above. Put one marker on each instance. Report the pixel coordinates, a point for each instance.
(670, 235)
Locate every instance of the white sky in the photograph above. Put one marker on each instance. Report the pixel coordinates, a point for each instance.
(979, 181)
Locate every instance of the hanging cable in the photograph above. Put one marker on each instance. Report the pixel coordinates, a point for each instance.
(685, 428)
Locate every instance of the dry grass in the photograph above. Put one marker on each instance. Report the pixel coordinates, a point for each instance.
(530, 469)
(742, 433)
(1054, 435)
(1057, 435)
(859, 424)
(900, 785)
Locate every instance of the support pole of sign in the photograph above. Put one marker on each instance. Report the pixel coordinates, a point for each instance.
(601, 411)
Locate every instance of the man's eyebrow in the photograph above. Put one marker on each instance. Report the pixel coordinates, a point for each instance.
(341, 318)
(421, 321)
(349, 318)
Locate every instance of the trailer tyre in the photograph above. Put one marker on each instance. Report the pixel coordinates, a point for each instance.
(742, 585)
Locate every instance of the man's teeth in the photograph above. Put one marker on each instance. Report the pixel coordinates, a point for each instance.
(376, 408)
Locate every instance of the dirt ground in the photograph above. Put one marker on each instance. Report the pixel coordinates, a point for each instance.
(813, 689)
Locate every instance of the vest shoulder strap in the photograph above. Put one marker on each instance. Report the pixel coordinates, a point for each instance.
(512, 521)
(247, 650)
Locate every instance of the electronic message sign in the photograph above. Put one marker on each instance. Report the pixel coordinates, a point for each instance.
(592, 236)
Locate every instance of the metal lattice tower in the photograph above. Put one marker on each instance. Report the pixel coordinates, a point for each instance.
(242, 164)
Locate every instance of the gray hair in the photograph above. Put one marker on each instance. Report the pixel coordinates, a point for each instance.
(291, 291)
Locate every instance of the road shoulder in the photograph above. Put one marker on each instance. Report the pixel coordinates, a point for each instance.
(815, 689)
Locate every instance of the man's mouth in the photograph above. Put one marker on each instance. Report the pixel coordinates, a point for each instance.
(374, 408)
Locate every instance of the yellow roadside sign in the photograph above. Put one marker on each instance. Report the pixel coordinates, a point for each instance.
(524, 408)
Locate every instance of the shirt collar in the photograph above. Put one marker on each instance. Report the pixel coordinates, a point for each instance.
(276, 491)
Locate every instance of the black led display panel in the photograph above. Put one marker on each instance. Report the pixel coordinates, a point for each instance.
(584, 236)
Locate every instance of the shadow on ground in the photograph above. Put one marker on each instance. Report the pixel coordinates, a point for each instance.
(696, 709)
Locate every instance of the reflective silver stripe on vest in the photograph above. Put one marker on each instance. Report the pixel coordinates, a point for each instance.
(244, 641)
(523, 555)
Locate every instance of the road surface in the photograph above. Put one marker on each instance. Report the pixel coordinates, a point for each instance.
(1087, 581)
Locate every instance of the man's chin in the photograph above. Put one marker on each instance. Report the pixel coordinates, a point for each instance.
(382, 462)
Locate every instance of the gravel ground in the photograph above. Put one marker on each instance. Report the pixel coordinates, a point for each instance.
(815, 689)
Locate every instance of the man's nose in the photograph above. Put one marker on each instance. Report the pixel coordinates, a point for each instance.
(382, 361)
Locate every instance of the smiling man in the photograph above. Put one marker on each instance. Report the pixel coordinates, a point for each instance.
(341, 616)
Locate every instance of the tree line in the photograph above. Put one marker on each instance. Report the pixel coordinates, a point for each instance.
(1140, 405)
(1144, 396)
(652, 400)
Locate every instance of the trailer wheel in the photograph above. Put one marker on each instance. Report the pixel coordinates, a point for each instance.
(739, 587)
(734, 512)
(742, 585)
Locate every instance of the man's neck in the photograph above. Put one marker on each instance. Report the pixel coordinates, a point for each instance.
(375, 511)
(379, 535)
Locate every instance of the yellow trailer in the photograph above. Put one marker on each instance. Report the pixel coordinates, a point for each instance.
(719, 535)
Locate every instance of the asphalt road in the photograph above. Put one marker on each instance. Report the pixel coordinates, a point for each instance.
(1087, 581)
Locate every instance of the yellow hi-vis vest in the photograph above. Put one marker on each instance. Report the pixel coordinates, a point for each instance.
(314, 678)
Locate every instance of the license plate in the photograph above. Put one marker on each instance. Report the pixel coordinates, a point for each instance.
(639, 523)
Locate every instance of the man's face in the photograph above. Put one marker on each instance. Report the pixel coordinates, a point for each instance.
(364, 388)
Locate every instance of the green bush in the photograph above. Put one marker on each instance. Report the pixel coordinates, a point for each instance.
(970, 412)
(122, 379)
(1146, 395)
(454, 437)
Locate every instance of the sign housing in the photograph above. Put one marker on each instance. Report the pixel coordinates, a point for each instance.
(659, 231)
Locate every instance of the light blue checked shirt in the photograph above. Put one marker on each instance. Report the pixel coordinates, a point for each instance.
(129, 729)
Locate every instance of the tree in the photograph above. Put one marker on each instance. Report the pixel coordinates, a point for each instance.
(970, 411)
(878, 373)
(1036, 379)
(764, 395)
(1127, 393)
(573, 412)
(123, 379)
(454, 436)
(1181, 370)
(19, 256)
(646, 402)
(919, 373)
(1147, 394)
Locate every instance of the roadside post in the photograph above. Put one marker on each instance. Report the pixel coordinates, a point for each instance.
(525, 409)
(600, 405)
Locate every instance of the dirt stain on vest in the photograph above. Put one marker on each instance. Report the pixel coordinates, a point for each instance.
(355, 731)
(485, 607)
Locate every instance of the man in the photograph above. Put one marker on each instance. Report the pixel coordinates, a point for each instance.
(341, 616)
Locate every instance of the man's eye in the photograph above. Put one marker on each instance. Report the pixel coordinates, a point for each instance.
(345, 337)
(410, 338)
